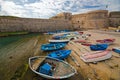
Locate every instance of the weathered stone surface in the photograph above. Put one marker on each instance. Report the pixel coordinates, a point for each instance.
(33, 25)
(90, 20)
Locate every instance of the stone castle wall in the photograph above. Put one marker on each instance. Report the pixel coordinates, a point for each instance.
(90, 20)
(78, 21)
(96, 19)
(33, 25)
(114, 19)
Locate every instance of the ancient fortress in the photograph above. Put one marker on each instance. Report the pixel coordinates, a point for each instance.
(91, 20)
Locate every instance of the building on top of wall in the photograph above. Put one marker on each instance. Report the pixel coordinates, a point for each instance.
(63, 15)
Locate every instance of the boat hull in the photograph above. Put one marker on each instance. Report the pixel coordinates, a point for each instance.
(95, 57)
(60, 54)
(117, 50)
(106, 41)
(98, 47)
(51, 47)
(59, 41)
(58, 73)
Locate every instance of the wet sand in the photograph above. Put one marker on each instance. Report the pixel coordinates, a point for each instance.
(16, 54)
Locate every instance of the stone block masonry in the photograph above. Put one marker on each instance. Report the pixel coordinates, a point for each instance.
(91, 20)
(33, 25)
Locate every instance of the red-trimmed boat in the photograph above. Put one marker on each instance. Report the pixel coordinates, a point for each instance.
(106, 41)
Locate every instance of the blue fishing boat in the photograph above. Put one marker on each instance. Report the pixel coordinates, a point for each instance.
(60, 54)
(98, 47)
(51, 68)
(57, 37)
(116, 49)
(50, 47)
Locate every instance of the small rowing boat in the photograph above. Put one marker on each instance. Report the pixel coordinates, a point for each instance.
(106, 41)
(95, 57)
(98, 47)
(50, 47)
(60, 54)
(116, 49)
(59, 41)
(51, 68)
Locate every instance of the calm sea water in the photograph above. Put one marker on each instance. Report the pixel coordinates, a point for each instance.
(14, 53)
(4, 41)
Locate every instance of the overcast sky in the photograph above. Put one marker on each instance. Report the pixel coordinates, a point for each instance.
(49, 8)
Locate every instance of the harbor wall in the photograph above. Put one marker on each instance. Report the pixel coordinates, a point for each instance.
(91, 20)
(114, 19)
(33, 25)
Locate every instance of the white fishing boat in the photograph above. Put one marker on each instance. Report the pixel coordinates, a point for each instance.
(59, 41)
(51, 68)
(66, 33)
(95, 57)
(116, 49)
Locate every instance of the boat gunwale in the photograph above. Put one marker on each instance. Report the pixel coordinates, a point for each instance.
(109, 55)
(51, 77)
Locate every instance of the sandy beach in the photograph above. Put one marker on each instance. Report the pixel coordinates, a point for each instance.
(16, 54)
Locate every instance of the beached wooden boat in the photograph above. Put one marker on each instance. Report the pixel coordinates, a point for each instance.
(50, 47)
(57, 31)
(116, 49)
(58, 37)
(98, 47)
(106, 41)
(59, 41)
(60, 54)
(51, 68)
(79, 38)
(95, 57)
(86, 44)
(66, 33)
